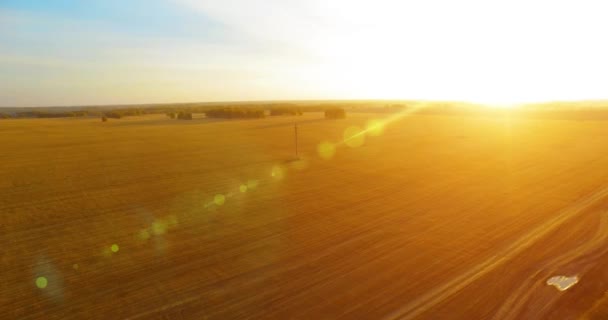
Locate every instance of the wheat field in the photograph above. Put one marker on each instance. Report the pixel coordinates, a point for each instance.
(436, 217)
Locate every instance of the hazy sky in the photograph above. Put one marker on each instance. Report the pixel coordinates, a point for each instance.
(65, 52)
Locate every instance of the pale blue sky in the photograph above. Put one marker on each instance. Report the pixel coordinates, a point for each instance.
(62, 52)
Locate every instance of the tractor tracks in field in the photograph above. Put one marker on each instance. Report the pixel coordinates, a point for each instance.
(446, 290)
(578, 258)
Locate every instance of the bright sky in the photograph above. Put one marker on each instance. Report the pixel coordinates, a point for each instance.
(71, 52)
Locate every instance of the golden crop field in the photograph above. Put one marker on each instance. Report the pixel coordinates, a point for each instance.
(432, 217)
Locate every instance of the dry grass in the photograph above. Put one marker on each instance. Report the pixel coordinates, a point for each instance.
(357, 236)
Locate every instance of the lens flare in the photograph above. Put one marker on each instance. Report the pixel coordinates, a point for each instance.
(354, 136)
(159, 228)
(41, 282)
(219, 199)
(374, 127)
(326, 150)
(277, 172)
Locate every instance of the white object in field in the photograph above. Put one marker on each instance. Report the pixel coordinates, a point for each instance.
(562, 283)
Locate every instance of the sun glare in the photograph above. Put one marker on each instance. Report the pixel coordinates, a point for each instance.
(501, 105)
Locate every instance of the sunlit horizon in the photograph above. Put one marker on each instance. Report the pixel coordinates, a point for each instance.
(500, 53)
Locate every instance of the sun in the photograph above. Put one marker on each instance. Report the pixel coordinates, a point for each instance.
(499, 102)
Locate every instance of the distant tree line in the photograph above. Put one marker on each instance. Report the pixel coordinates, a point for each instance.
(130, 112)
(50, 113)
(184, 115)
(229, 111)
(335, 113)
(285, 111)
(332, 109)
(46, 114)
(114, 114)
(235, 113)
(124, 112)
(180, 115)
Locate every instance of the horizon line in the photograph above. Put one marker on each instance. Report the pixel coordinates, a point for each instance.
(304, 101)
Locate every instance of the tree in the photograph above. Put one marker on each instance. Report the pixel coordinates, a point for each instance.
(113, 114)
(183, 115)
(285, 111)
(335, 113)
(235, 113)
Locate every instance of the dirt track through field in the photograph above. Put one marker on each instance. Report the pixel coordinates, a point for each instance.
(452, 287)
(575, 262)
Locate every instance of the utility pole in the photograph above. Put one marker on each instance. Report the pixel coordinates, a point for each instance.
(295, 128)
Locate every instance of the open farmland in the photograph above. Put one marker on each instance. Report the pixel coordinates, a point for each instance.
(438, 217)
